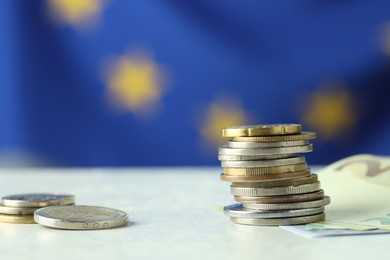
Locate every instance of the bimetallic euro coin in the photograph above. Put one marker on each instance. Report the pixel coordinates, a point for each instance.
(261, 130)
(275, 191)
(279, 221)
(80, 217)
(286, 206)
(238, 211)
(37, 200)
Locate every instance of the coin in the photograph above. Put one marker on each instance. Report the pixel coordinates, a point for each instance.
(17, 219)
(285, 206)
(234, 144)
(267, 177)
(227, 157)
(238, 211)
(277, 183)
(279, 221)
(263, 163)
(260, 130)
(224, 149)
(17, 210)
(37, 200)
(283, 198)
(276, 138)
(274, 191)
(265, 170)
(80, 217)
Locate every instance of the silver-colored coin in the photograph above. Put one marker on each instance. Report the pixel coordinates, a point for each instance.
(245, 145)
(37, 200)
(263, 163)
(225, 157)
(292, 198)
(80, 217)
(265, 151)
(277, 183)
(286, 206)
(17, 210)
(279, 221)
(238, 211)
(274, 191)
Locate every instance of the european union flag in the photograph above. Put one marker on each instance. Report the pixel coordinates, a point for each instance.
(120, 82)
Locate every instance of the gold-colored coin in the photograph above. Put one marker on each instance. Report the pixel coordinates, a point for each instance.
(270, 177)
(277, 183)
(283, 198)
(265, 170)
(261, 130)
(276, 138)
(17, 219)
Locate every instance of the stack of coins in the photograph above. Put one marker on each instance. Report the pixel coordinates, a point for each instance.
(20, 208)
(58, 211)
(269, 176)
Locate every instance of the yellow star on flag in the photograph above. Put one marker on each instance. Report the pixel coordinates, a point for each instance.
(331, 112)
(135, 83)
(222, 113)
(76, 12)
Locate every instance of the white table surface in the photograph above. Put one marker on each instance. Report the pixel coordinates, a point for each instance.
(175, 213)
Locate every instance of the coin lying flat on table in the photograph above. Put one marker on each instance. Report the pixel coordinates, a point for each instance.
(260, 130)
(80, 217)
(285, 206)
(279, 221)
(238, 211)
(37, 200)
(275, 138)
(17, 219)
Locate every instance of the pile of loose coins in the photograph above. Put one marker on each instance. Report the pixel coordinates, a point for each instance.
(58, 211)
(269, 176)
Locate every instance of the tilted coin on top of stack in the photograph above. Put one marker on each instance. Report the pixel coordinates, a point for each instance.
(269, 177)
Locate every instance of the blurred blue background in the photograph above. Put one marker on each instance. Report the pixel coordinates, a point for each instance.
(120, 82)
